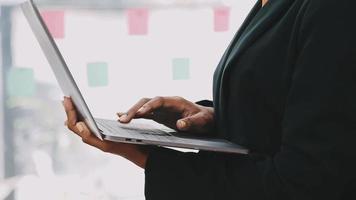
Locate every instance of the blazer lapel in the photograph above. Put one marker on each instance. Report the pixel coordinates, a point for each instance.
(272, 12)
(238, 35)
(222, 63)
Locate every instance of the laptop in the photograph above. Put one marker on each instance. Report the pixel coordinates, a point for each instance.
(112, 130)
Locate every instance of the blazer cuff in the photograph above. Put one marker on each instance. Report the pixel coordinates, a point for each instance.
(206, 103)
(166, 171)
(158, 172)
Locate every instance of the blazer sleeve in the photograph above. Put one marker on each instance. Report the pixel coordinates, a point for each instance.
(318, 152)
(206, 103)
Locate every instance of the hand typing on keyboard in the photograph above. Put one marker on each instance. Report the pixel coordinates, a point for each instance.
(175, 112)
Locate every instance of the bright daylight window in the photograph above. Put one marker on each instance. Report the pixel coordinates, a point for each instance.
(118, 52)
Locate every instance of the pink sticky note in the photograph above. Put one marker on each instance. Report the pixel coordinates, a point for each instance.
(55, 22)
(221, 19)
(137, 21)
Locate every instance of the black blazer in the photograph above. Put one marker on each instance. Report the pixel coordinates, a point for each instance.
(286, 89)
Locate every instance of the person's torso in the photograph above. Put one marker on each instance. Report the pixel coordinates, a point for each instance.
(251, 85)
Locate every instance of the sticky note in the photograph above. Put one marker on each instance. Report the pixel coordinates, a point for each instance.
(55, 23)
(97, 74)
(221, 19)
(180, 68)
(20, 82)
(137, 21)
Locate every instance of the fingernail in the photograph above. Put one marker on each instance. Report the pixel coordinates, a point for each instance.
(65, 103)
(123, 117)
(182, 124)
(80, 127)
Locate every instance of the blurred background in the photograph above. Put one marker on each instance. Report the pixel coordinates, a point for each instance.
(118, 51)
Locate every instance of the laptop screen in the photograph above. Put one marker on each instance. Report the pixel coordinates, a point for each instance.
(58, 64)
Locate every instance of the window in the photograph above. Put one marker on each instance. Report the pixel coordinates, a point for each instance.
(118, 54)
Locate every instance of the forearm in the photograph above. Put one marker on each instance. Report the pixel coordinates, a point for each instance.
(138, 157)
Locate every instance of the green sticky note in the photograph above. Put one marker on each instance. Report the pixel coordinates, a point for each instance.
(20, 82)
(180, 68)
(97, 74)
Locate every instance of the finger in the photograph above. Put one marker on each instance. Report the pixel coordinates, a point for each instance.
(194, 122)
(89, 138)
(119, 114)
(174, 103)
(148, 116)
(127, 117)
(71, 113)
(68, 104)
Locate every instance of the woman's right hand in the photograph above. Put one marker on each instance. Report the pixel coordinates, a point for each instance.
(174, 112)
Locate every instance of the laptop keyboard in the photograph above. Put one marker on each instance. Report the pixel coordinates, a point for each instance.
(135, 131)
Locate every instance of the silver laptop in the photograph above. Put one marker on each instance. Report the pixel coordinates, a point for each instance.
(109, 129)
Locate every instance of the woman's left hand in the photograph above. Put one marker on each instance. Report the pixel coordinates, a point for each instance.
(135, 153)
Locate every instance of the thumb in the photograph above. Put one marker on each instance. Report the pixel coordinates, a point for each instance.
(190, 122)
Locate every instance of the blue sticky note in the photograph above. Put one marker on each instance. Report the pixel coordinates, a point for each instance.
(97, 74)
(20, 82)
(180, 68)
